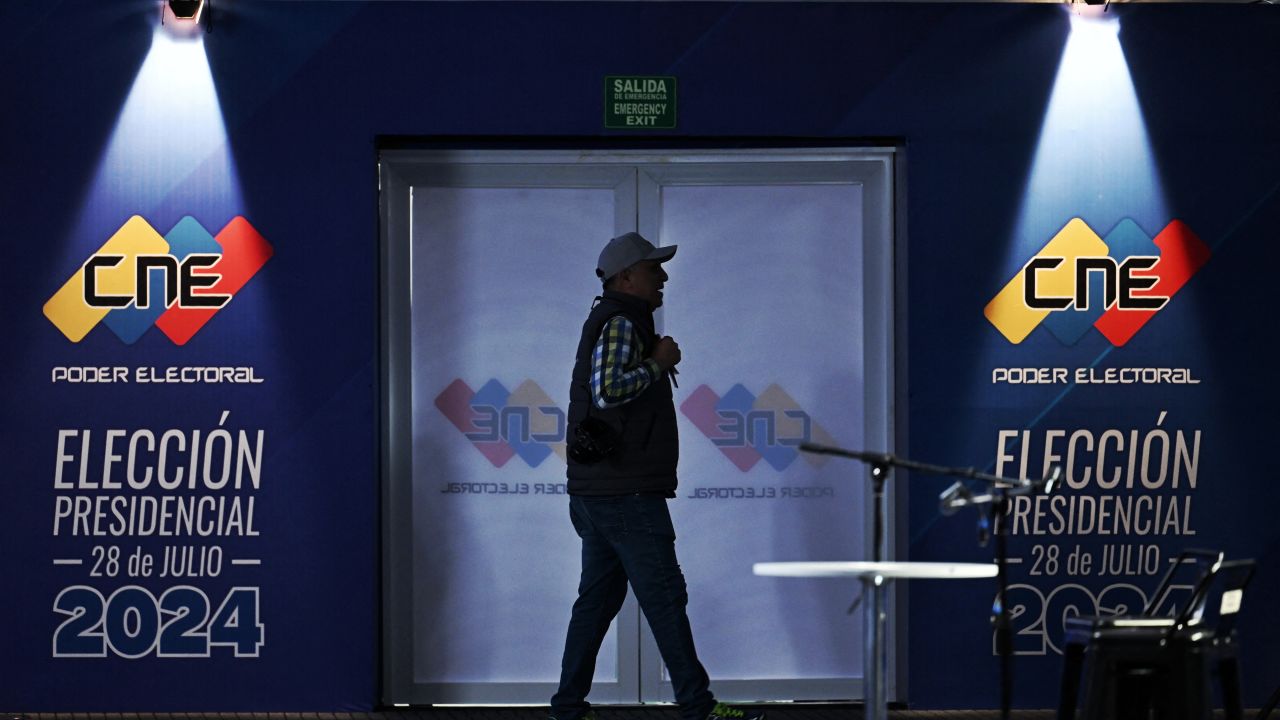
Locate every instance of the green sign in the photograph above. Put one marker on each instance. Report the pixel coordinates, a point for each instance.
(639, 102)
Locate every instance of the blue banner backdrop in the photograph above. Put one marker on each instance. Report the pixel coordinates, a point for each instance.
(190, 515)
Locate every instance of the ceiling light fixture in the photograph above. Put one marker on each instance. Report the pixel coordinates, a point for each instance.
(1092, 6)
(189, 12)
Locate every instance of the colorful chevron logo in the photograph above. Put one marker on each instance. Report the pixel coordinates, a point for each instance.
(749, 428)
(176, 282)
(505, 423)
(1079, 280)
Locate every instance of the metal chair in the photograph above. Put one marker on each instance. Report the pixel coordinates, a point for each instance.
(1159, 665)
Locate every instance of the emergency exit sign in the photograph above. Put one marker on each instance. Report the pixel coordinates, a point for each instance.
(637, 102)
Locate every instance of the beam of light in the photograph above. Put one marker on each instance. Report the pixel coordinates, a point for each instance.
(168, 155)
(1093, 159)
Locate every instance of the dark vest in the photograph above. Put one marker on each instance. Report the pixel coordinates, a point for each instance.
(649, 446)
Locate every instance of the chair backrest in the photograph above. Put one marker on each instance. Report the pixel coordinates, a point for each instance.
(1223, 595)
(1190, 568)
(1217, 590)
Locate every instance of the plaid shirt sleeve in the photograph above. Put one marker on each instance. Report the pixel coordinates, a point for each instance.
(618, 374)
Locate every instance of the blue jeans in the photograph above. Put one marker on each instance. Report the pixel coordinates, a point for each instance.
(629, 538)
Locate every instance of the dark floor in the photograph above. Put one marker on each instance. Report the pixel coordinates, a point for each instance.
(783, 711)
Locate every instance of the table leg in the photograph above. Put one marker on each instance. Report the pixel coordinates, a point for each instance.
(873, 658)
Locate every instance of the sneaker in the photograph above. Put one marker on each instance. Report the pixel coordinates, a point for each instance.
(725, 712)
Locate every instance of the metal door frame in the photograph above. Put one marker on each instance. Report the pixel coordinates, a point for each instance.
(400, 170)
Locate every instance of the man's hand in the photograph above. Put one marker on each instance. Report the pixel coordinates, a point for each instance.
(666, 353)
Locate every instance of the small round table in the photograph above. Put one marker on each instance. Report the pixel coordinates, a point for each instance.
(875, 577)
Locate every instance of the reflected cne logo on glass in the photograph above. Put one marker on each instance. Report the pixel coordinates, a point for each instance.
(748, 428)
(504, 423)
(527, 423)
(1080, 280)
(176, 282)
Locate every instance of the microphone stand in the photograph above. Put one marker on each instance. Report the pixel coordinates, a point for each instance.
(999, 490)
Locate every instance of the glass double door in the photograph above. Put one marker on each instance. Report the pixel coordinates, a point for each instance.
(781, 299)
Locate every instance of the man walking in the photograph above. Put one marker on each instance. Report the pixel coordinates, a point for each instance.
(618, 492)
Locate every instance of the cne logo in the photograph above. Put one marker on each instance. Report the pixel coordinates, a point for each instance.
(749, 428)
(176, 282)
(1079, 280)
(505, 423)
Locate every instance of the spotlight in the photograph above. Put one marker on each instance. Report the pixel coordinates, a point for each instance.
(1089, 8)
(188, 13)
(187, 9)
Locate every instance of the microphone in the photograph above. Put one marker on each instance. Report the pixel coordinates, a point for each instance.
(672, 372)
(958, 496)
(1055, 478)
(954, 498)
